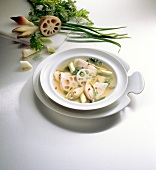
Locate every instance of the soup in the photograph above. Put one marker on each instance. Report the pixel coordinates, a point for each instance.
(84, 80)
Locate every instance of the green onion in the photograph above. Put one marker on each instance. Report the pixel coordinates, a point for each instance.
(82, 33)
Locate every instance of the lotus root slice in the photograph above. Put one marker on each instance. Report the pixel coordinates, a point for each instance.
(49, 25)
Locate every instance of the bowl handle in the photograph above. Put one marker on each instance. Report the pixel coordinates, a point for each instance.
(135, 83)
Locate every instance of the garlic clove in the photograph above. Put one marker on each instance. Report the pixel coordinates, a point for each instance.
(51, 49)
(28, 52)
(25, 65)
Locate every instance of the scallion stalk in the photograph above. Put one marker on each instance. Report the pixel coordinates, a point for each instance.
(82, 33)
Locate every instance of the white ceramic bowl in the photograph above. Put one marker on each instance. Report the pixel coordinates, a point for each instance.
(58, 58)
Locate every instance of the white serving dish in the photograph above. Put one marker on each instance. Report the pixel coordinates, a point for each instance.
(135, 85)
(49, 68)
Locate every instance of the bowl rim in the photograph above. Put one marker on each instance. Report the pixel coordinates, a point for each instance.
(119, 70)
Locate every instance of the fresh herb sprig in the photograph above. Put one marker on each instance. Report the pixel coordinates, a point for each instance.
(94, 61)
(65, 10)
(35, 41)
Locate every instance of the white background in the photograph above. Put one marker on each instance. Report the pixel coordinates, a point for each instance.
(31, 138)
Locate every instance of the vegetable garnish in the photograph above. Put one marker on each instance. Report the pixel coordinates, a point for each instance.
(36, 42)
(49, 25)
(47, 17)
(80, 31)
(85, 33)
(65, 10)
(21, 20)
(94, 61)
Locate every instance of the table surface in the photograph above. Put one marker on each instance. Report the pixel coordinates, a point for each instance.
(32, 137)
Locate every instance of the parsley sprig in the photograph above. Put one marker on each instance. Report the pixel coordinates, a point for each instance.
(35, 41)
(65, 10)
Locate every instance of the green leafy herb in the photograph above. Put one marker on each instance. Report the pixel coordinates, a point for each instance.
(67, 69)
(63, 9)
(35, 41)
(94, 61)
(83, 14)
(108, 80)
(76, 70)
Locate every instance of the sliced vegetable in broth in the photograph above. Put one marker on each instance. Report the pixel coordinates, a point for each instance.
(84, 80)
